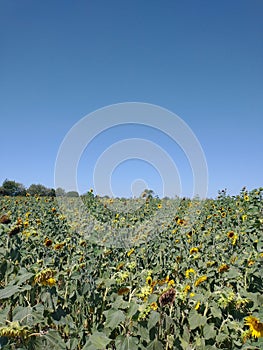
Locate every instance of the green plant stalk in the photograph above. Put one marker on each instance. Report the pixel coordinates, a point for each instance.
(103, 304)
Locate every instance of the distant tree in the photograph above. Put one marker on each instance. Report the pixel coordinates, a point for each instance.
(12, 188)
(60, 192)
(51, 192)
(147, 193)
(2, 191)
(38, 189)
(72, 194)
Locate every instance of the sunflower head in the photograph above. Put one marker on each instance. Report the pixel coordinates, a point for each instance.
(167, 297)
(47, 242)
(4, 219)
(230, 234)
(149, 280)
(194, 250)
(223, 268)
(123, 290)
(255, 326)
(200, 280)
(154, 306)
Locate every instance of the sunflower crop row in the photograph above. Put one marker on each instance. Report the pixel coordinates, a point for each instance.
(148, 273)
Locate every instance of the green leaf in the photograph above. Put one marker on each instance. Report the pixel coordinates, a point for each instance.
(72, 344)
(119, 303)
(233, 273)
(127, 343)
(155, 345)
(22, 277)
(221, 337)
(196, 320)
(216, 312)
(144, 333)
(184, 344)
(24, 288)
(153, 319)
(113, 318)
(89, 346)
(36, 343)
(38, 311)
(209, 331)
(170, 340)
(22, 313)
(168, 322)
(200, 344)
(186, 334)
(54, 341)
(9, 291)
(132, 309)
(99, 340)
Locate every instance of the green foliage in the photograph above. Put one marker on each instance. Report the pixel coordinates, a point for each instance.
(72, 194)
(187, 283)
(12, 188)
(40, 190)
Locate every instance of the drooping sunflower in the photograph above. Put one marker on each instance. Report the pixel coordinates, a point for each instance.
(181, 222)
(47, 242)
(130, 252)
(49, 282)
(223, 268)
(194, 250)
(123, 290)
(14, 231)
(200, 280)
(167, 297)
(255, 326)
(59, 246)
(4, 219)
(45, 277)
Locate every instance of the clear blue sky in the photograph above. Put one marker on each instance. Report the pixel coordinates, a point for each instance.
(203, 60)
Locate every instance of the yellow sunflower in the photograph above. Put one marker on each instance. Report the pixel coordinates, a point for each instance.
(255, 326)
(149, 280)
(194, 250)
(154, 306)
(130, 252)
(187, 288)
(187, 272)
(223, 268)
(230, 234)
(200, 280)
(50, 282)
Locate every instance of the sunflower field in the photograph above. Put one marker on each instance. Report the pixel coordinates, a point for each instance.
(135, 274)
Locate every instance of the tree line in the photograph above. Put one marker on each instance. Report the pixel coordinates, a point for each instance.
(13, 188)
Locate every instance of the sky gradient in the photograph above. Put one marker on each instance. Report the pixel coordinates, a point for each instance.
(202, 60)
